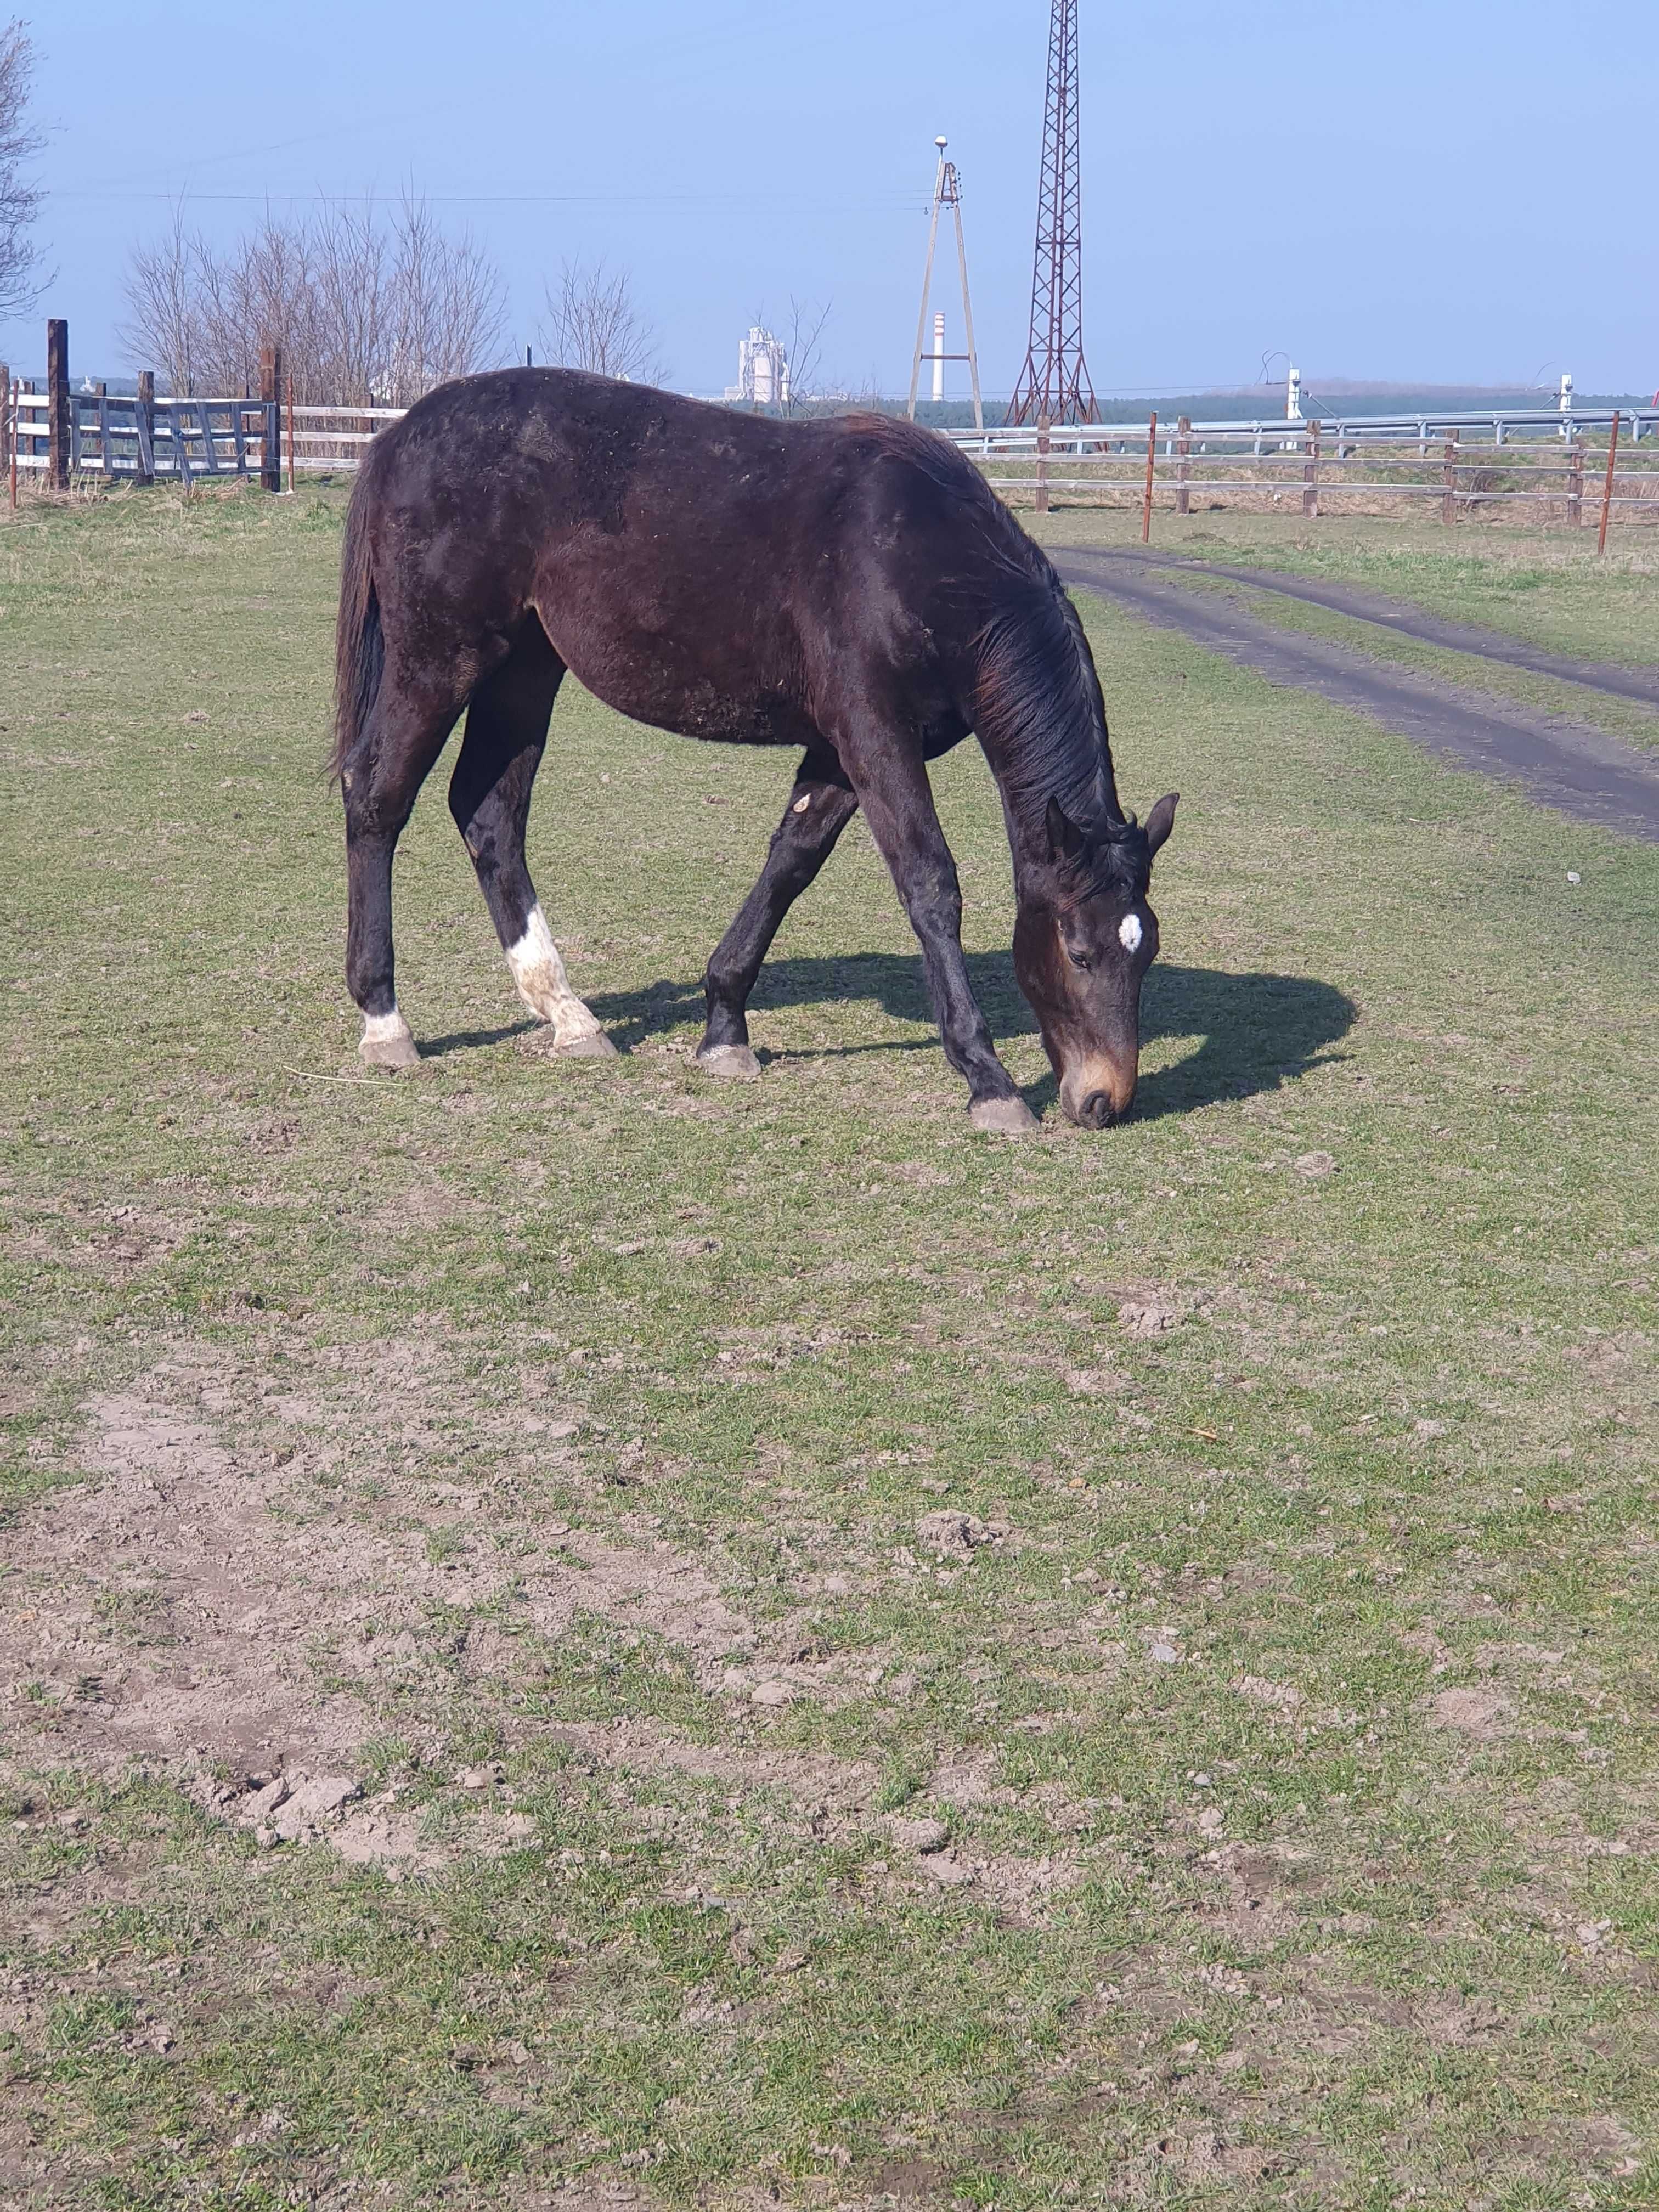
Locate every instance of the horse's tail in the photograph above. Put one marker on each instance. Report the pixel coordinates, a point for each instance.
(359, 644)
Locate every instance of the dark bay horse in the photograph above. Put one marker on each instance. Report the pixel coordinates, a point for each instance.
(849, 585)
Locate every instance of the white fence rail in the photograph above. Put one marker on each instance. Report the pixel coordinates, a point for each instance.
(1465, 461)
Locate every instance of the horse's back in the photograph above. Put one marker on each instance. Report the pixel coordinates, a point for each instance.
(698, 567)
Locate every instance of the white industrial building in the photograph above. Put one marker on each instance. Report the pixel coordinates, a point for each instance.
(763, 370)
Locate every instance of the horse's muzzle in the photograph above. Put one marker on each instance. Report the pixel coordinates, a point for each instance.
(1100, 1095)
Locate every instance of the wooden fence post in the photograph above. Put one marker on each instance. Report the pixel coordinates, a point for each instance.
(1607, 489)
(1575, 481)
(271, 444)
(1449, 479)
(1183, 465)
(291, 437)
(144, 415)
(1042, 465)
(1146, 497)
(1310, 470)
(5, 418)
(58, 406)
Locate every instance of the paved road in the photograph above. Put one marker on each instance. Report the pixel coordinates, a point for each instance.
(1564, 764)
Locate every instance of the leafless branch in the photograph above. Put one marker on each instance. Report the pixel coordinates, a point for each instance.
(364, 306)
(20, 195)
(163, 325)
(803, 349)
(591, 323)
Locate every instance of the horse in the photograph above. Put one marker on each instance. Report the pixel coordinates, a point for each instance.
(847, 585)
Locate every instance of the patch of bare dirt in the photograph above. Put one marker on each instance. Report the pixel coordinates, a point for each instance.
(234, 1617)
(1479, 1712)
(175, 1606)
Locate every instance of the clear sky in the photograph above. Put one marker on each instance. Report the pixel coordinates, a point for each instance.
(1430, 190)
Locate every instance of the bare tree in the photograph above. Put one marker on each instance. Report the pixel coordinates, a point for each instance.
(351, 283)
(803, 349)
(164, 322)
(448, 309)
(364, 307)
(20, 196)
(593, 322)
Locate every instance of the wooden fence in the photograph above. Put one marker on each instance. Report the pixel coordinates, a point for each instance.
(113, 435)
(1513, 460)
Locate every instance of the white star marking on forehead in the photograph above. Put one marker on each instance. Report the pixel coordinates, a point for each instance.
(1129, 933)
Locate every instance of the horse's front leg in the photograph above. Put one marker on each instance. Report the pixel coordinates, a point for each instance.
(820, 807)
(892, 787)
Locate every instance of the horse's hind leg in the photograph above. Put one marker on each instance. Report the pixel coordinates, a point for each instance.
(820, 807)
(404, 735)
(490, 798)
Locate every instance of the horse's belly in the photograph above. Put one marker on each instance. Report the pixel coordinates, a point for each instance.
(654, 680)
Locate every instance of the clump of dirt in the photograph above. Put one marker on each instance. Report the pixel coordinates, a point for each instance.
(950, 1535)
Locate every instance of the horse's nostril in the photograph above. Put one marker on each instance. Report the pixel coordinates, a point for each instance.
(1096, 1112)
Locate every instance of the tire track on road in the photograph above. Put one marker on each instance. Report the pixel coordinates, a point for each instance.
(1406, 621)
(1578, 771)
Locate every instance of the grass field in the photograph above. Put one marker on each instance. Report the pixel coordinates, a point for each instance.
(838, 1662)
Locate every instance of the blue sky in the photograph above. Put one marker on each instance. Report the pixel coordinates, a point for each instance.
(1434, 190)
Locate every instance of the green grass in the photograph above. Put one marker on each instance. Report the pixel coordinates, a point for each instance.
(1257, 1923)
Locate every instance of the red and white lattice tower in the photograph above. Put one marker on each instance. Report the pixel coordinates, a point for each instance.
(1054, 381)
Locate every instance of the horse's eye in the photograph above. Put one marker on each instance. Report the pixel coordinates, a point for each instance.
(1078, 959)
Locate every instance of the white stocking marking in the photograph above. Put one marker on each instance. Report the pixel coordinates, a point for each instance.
(539, 973)
(383, 1029)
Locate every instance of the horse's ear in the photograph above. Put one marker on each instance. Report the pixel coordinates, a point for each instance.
(1161, 820)
(1066, 840)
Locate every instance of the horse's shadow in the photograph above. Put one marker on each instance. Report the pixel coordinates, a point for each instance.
(1255, 1032)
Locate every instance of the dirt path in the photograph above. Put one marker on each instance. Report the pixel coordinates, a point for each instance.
(1582, 771)
(1406, 621)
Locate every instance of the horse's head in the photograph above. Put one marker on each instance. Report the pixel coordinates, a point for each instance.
(1084, 939)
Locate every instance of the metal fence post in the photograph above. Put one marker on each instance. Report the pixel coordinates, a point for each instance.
(271, 443)
(1575, 481)
(1310, 470)
(1449, 480)
(1183, 465)
(1042, 465)
(1607, 489)
(58, 406)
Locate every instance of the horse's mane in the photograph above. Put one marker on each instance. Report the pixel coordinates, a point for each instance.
(1040, 706)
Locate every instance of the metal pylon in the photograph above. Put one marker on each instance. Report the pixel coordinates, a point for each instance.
(1054, 381)
(947, 193)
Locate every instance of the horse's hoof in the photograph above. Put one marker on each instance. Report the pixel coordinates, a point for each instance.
(395, 1049)
(732, 1063)
(596, 1045)
(1004, 1117)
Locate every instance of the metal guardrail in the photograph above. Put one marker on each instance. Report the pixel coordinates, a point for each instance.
(1505, 425)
